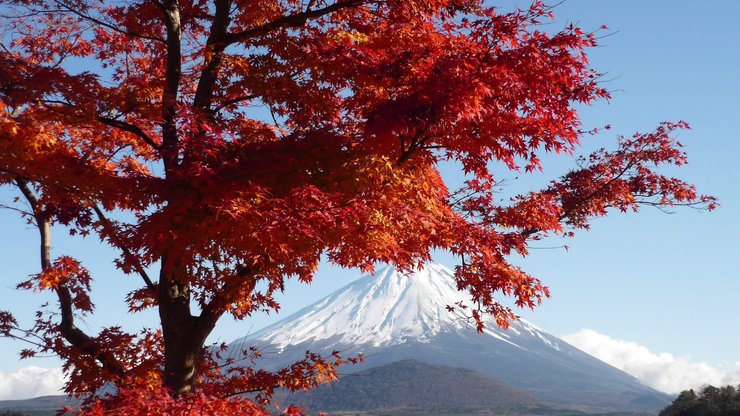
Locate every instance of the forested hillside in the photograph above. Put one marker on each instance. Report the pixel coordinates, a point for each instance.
(709, 401)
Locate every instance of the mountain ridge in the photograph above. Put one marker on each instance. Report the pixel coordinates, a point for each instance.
(411, 384)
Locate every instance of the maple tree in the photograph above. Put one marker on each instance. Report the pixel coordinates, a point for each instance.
(229, 145)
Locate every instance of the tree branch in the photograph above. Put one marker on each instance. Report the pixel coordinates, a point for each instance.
(67, 328)
(291, 20)
(173, 72)
(42, 223)
(214, 50)
(122, 125)
(227, 103)
(244, 282)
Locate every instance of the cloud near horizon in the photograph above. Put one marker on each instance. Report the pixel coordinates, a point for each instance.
(662, 371)
(30, 382)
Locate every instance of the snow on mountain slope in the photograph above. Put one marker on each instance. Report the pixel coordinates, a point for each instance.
(390, 317)
(386, 309)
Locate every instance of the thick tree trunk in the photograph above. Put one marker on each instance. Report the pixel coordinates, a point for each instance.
(184, 334)
(180, 363)
(177, 329)
(183, 343)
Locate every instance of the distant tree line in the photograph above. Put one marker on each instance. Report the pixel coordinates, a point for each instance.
(709, 401)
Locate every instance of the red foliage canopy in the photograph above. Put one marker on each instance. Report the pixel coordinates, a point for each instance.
(231, 144)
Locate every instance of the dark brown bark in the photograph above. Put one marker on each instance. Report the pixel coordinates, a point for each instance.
(183, 333)
(177, 328)
(173, 72)
(215, 47)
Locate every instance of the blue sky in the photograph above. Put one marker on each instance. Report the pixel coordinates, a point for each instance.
(650, 282)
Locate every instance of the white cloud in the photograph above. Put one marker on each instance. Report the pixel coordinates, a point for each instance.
(29, 382)
(661, 371)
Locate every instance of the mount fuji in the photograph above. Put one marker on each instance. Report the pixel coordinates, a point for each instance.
(391, 317)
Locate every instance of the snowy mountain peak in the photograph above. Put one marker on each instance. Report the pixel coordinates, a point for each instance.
(385, 309)
(391, 316)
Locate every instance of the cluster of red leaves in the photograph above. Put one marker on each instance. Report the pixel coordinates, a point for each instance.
(66, 272)
(223, 384)
(623, 179)
(7, 323)
(159, 401)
